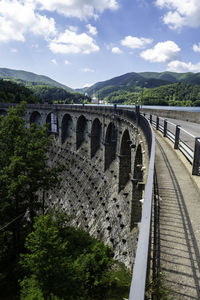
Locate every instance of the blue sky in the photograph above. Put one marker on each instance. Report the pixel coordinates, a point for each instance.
(80, 42)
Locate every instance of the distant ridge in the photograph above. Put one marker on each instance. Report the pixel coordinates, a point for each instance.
(132, 81)
(13, 75)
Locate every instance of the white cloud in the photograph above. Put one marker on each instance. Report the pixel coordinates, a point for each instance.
(134, 42)
(44, 26)
(67, 62)
(162, 52)
(19, 17)
(87, 70)
(180, 13)
(180, 66)
(54, 61)
(71, 42)
(91, 29)
(13, 50)
(73, 28)
(196, 48)
(116, 50)
(81, 9)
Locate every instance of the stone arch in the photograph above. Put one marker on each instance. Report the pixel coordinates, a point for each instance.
(81, 131)
(52, 122)
(110, 145)
(66, 127)
(96, 134)
(124, 160)
(138, 188)
(36, 118)
(3, 112)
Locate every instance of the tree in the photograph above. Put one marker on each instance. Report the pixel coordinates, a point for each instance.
(24, 172)
(63, 262)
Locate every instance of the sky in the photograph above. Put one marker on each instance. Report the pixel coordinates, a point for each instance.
(81, 42)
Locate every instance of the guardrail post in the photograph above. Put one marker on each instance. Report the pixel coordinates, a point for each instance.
(157, 123)
(177, 134)
(150, 119)
(196, 160)
(165, 128)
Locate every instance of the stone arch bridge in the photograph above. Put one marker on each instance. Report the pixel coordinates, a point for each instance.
(107, 155)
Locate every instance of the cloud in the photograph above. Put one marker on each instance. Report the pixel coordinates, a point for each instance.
(134, 42)
(180, 66)
(87, 70)
(73, 28)
(91, 29)
(44, 26)
(116, 50)
(81, 9)
(196, 48)
(67, 62)
(18, 18)
(71, 42)
(13, 50)
(180, 13)
(54, 61)
(162, 52)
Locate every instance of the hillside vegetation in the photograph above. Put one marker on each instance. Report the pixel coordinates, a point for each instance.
(13, 93)
(176, 94)
(33, 78)
(166, 88)
(18, 90)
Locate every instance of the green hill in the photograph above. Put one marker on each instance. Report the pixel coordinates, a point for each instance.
(53, 94)
(133, 82)
(43, 88)
(29, 77)
(127, 87)
(13, 93)
(129, 82)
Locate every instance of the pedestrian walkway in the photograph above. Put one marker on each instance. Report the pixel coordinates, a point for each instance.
(179, 223)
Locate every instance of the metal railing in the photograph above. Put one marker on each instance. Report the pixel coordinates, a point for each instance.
(186, 142)
(141, 264)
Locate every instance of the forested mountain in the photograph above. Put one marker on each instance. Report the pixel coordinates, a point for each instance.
(52, 94)
(32, 78)
(175, 94)
(128, 82)
(135, 82)
(179, 94)
(13, 93)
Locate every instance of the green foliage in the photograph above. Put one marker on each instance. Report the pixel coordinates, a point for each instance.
(196, 103)
(24, 77)
(17, 91)
(23, 172)
(157, 289)
(177, 94)
(166, 88)
(30, 289)
(52, 94)
(13, 93)
(68, 263)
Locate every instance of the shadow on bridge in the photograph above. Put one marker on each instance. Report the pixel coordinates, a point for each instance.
(177, 232)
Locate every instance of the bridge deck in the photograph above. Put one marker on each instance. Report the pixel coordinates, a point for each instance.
(179, 225)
